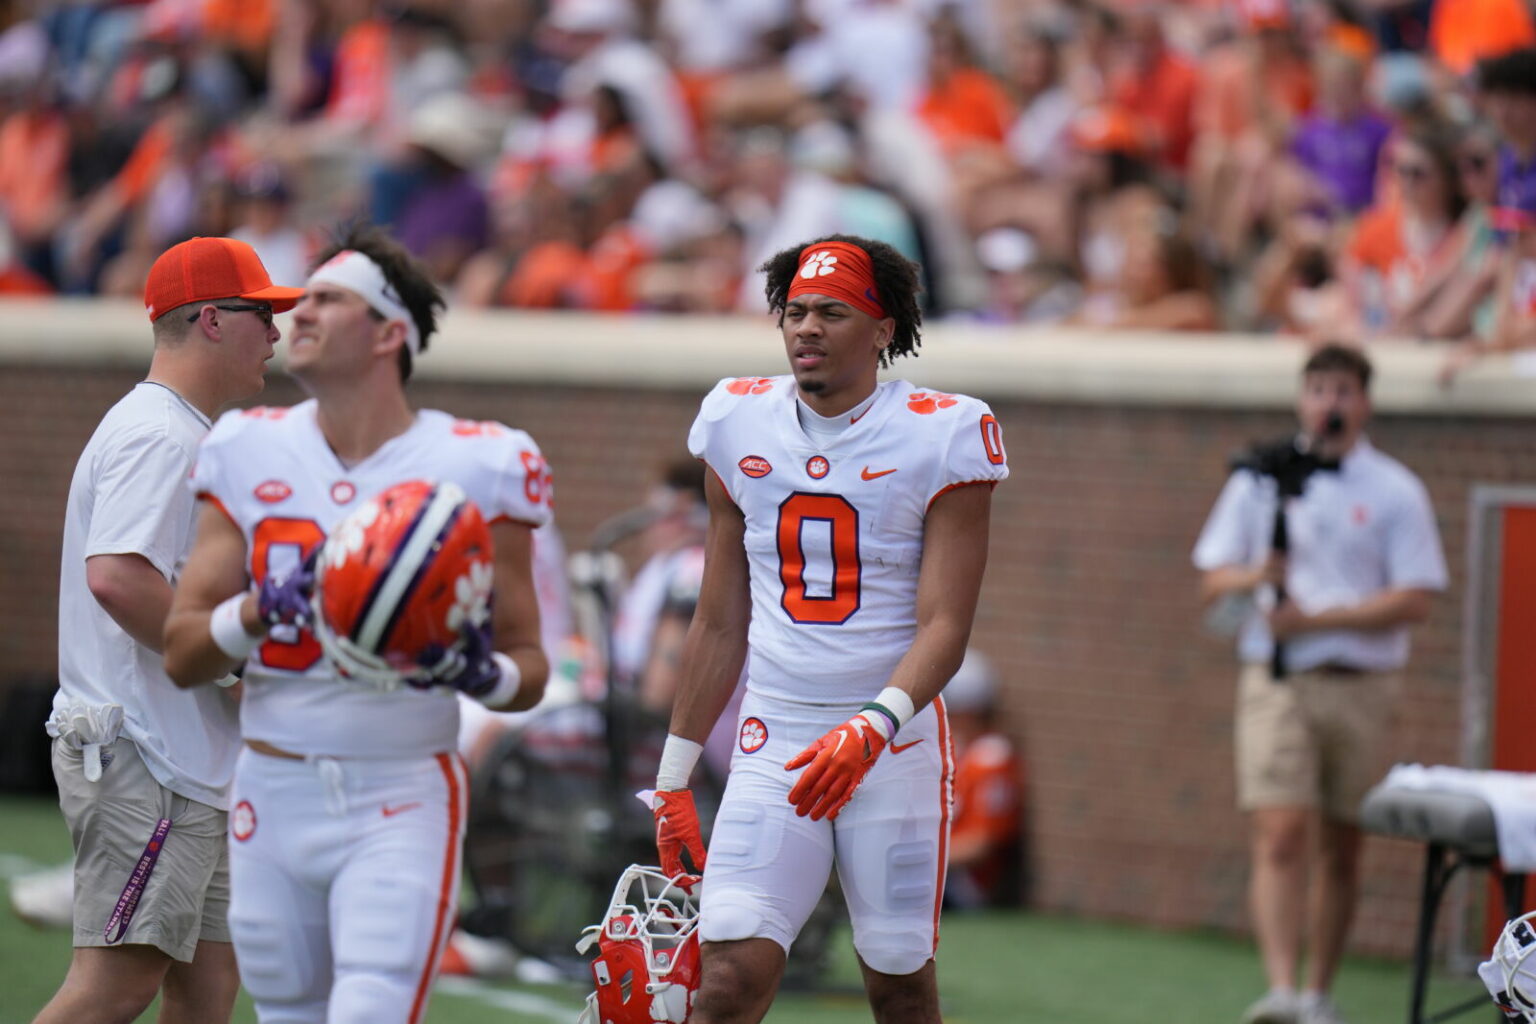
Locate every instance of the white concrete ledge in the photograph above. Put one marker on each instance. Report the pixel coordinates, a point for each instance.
(690, 353)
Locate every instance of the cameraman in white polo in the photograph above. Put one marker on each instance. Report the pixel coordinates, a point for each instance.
(1364, 563)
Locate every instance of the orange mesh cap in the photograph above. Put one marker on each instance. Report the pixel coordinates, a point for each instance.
(202, 269)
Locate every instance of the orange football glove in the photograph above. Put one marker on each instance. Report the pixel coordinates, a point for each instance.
(838, 763)
(677, 832)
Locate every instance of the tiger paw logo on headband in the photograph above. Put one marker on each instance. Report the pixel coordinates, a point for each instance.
(818, 265)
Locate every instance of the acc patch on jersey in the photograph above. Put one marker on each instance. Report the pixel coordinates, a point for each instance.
(399, 579)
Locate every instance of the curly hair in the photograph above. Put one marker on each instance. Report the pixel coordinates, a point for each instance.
(896, 282)
(418, 293)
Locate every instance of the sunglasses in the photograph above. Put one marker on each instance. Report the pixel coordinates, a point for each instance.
(264, 313)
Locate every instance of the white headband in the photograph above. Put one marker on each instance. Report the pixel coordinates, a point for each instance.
(353, 270)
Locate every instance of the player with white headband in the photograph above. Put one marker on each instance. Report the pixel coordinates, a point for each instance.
(356, 272)
(348, 805)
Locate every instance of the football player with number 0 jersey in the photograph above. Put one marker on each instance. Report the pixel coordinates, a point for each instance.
(347, 810)
(847, 540)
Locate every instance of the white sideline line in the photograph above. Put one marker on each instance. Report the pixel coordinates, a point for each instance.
(522, 1002)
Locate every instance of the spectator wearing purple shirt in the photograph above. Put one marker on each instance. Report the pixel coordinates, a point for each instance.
(1507, 85)
(1340, 142)
(445, 216)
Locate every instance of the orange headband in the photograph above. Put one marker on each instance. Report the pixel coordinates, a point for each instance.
(841, 271)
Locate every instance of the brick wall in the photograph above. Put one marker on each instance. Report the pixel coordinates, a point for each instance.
(1122, 706)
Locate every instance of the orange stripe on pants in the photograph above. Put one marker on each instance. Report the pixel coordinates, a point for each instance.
(946, 800)
(446, 897)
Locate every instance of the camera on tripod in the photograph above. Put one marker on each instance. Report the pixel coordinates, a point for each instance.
(1291, 460)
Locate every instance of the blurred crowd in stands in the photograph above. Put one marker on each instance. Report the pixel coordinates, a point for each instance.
(1354, 168)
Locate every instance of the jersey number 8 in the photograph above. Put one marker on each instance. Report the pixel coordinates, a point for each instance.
(281, 545)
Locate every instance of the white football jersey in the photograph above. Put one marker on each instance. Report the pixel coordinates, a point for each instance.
(834, 530)
(273, 473)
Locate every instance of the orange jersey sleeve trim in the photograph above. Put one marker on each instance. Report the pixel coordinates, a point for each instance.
(956, 487)
(504, 518)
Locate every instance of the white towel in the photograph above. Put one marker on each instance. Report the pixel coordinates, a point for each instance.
(1511, 795)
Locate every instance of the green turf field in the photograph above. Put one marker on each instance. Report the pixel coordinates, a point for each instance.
(994, 969)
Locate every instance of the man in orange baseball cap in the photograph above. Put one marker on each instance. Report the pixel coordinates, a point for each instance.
(204, 269)
(146, 808)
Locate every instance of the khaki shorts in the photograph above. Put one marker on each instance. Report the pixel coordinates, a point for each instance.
(186, 900)
(1315, 739)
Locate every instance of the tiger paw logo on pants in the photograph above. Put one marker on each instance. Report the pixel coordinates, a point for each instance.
(753, 735)
(819, 264)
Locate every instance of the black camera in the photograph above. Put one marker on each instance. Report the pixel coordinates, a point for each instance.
(1290, 460)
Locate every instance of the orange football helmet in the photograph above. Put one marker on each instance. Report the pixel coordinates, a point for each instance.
(647, 965)
(399, 580)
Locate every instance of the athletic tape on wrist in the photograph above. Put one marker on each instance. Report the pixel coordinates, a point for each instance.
(228, 631)
(678, 756)
(895, 705)
(507, 686)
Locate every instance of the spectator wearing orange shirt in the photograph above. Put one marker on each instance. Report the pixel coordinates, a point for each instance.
(963, 106)
(1401, 243)
(985, 840)
(1156, 86)
(34, 174)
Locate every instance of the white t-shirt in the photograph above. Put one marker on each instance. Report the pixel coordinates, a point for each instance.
(834, 528)
(129, 496)
(273, 473)
(1365, 528)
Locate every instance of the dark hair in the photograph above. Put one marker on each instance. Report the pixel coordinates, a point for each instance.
(1336, 357)
(410, 280)
(1442, 141)
(1513, 72)
(686, 476)
(896, 282)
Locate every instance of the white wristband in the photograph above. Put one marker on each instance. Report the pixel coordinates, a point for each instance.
(228, 631)
(678, 756)
(898, 703)
(889, 711)
(505, 690)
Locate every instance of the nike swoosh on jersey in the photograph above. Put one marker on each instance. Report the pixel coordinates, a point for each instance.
(867, 475)
(897, 748)
(390, 812)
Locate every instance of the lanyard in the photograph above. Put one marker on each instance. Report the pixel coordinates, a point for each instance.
(128, 902)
